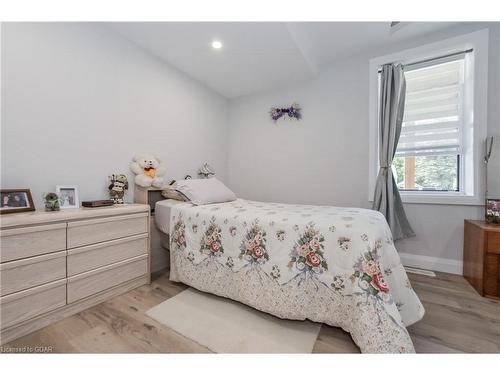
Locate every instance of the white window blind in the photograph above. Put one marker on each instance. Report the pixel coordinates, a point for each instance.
(433, 119)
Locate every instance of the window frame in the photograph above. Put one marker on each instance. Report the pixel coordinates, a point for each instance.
(475, 117)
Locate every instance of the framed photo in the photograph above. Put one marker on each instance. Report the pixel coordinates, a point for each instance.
(493, 211)
(16, 200)
(68, 195)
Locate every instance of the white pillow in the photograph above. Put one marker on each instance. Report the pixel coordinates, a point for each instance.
(204, 191)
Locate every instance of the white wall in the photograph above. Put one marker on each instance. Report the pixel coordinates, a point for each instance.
(323, 159)
(78, 101)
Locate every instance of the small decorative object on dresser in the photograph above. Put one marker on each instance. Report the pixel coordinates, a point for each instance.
(58, 264)
(492, 178)
(482, 257)
(206, 171)
(98, 203)
(493, 211)
(52, 202)
(68, 195)
(147, 170)
(118, 187)
(16, 200)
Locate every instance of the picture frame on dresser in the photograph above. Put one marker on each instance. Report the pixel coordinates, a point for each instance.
(16, 200)
(69, 196)
(492, 212)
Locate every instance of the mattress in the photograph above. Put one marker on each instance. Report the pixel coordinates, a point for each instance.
(162, 214)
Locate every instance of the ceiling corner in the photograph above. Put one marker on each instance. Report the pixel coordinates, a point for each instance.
(301, 46)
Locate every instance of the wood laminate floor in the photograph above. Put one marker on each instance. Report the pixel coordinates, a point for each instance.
(457, 319)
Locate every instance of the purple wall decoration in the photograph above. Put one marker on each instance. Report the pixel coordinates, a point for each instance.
(293, 112)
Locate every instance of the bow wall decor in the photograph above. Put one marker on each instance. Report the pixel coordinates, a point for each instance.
(293, 112)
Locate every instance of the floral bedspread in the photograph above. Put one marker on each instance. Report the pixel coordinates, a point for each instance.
(328, 264)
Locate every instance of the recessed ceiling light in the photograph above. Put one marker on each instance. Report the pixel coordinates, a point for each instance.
(217, 44)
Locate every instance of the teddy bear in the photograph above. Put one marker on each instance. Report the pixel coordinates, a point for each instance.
(118, 188)
(147, 171)
(52, 202)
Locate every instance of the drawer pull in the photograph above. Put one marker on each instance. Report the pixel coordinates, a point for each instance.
(19, 243)
(95, 281)
(91, 232)
(31, 272)
(80, 223)
(86, 258)
(21, 306)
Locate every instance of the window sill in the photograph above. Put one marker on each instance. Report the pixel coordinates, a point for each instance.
(441, 198)
(433, 198)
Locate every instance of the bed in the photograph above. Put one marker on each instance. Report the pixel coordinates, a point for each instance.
(327, 264)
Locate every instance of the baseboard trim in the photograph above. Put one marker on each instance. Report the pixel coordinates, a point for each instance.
(432, 263)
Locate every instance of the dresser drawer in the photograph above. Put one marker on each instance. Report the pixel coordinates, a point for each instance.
(88, 232)
(86, 258)
(494, 242)
(30, 272)
(92, 282)
(492, 275)
(26, 242)
(20, 306)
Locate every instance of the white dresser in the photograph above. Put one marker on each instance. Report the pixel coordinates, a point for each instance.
(55, 264)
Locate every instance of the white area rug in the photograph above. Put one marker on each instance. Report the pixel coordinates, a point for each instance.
(225, 326)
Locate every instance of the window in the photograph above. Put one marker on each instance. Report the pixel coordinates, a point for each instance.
(429, 151)
(440, 150)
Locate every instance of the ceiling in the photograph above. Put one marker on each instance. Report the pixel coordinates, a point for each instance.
(258, 56)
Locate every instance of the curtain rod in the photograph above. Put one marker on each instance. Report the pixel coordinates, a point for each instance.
(436, 58)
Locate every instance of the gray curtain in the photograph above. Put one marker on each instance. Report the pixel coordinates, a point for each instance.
(391, 109)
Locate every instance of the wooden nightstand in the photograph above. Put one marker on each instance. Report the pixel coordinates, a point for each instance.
(482, 257)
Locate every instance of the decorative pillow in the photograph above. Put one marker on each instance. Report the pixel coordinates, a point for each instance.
(204, 191)
(170, 193)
